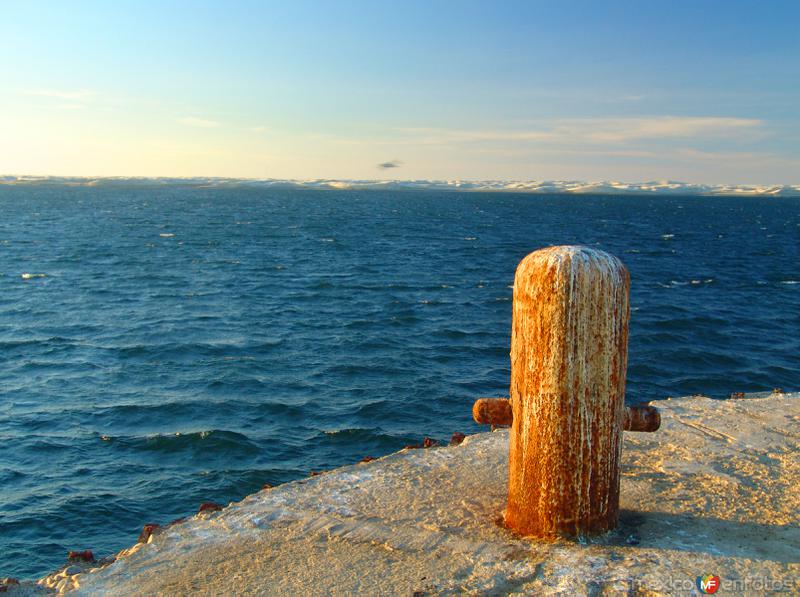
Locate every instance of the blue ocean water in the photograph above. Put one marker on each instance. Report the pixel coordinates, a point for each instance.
(190, 344)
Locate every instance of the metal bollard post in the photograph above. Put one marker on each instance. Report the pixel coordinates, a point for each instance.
(569, 352)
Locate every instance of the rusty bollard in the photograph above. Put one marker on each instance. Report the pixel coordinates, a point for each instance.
(569, 352)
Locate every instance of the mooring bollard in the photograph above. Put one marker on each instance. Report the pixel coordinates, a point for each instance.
(569, 352)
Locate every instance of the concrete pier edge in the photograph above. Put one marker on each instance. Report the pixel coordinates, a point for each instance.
(715, 493)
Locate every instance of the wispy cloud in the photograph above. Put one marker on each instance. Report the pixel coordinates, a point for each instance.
(199, 122)
(689, 153)
(631, 129)
(61, 94)
(597, 130)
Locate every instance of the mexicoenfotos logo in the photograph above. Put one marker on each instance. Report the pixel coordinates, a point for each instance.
(708, 584)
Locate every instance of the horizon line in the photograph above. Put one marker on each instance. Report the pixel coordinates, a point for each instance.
(541, 187)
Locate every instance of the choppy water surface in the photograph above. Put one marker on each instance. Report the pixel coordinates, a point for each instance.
(166, 346)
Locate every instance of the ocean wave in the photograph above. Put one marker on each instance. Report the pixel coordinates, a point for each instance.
(362, 436)
(146, 413)
(692, 282)
(348, 432)
(20, 342)
(374, 408)
(216, 350)
(211, 441)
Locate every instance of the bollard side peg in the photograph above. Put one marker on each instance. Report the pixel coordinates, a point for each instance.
(569, 356)
(498, 411)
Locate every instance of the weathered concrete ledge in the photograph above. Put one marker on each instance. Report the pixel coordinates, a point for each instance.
(716, 491)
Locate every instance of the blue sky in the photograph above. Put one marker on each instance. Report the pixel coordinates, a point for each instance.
(640, 90)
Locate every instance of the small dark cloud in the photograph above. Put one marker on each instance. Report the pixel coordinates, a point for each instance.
(392, 164)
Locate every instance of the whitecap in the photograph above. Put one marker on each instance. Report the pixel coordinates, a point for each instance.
(667, 236)
(470, 238)
(166, 235)
(27, 276)
(790, 281)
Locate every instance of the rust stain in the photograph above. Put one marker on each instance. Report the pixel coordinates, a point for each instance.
(457, 438)
(209, 507)
(641, 418)
(148, 530)
(80, 556)
(569, 350)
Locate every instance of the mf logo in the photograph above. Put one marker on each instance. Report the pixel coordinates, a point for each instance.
(708, 584)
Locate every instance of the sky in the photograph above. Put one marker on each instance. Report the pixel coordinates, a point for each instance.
(695, 91)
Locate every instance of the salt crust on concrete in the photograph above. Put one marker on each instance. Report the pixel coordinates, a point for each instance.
(715, 491)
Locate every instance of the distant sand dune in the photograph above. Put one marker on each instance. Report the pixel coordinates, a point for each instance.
(663, 187)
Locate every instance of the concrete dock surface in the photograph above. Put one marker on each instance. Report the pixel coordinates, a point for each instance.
(714, 493)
